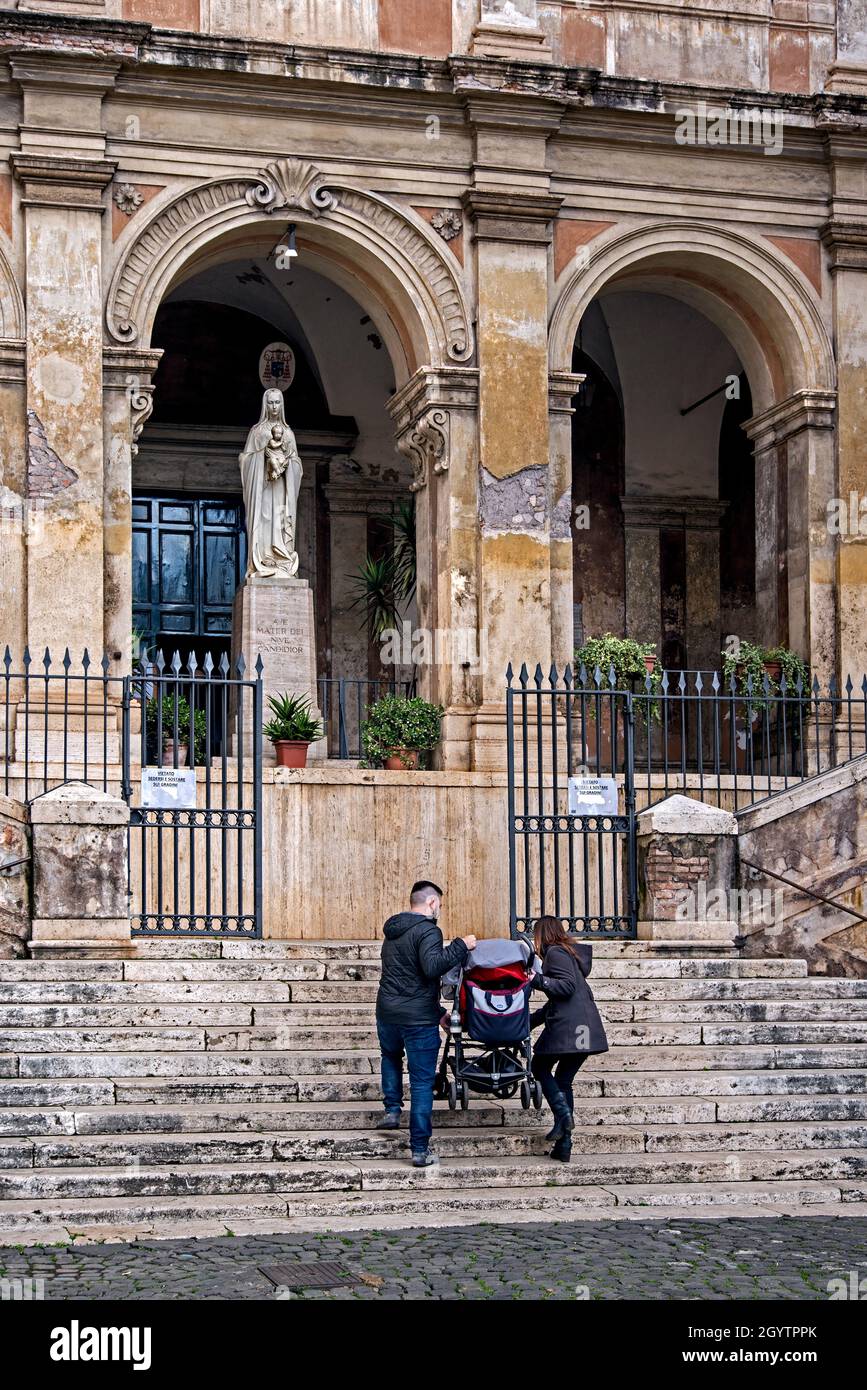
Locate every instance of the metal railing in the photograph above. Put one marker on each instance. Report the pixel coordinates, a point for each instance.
(345, 703)
(60, 722)
(733, 742)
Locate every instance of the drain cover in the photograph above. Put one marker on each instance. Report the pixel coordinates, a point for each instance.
(309, 1274)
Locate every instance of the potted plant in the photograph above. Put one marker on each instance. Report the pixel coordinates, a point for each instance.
(293, 728)
(744, 673)
(398, 729)
(170, 708)
(630, 660)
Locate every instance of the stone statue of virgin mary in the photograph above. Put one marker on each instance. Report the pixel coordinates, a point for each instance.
(271, 477)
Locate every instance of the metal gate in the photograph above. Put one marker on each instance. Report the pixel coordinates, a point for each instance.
(571, 750)
(192, 737)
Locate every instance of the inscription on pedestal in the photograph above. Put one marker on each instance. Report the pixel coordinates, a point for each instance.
(273, 618)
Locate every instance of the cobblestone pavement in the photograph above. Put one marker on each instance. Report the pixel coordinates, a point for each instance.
(782, 1258)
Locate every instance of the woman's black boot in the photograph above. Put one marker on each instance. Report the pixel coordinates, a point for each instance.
(562, 1150)
(563, 1122)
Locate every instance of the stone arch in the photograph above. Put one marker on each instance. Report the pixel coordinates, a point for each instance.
(383, 254)
(761, 301)
(12, 319)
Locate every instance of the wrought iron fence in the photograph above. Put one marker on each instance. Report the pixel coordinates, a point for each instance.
(729, 742)
(345, 704)
(195, 837)
(572, 860)
(60, 723)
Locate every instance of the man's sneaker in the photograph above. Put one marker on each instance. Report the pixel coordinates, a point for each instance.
(425, 1160)
(390, 1120)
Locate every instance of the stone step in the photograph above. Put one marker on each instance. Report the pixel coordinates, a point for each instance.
(95, 1027)
(292, 1115)
(825, 1165)
(352, 977)
(114, 1218)
(51, 1151)
(264, 1062)
(814, 993)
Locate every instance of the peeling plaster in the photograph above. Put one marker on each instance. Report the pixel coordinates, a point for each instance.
(47, 474)
(516, 503)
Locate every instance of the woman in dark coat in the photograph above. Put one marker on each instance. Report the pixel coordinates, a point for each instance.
(573, 1029)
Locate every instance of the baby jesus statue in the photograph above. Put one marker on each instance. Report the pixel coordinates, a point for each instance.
(276, 457)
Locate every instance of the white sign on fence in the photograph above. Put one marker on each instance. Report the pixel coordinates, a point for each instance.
(168, 788)
(592, 796)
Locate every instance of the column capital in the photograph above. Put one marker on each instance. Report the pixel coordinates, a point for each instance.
(562, 390)
(52, 181)
(521, 217)
(687, 513)
(421, 413)
(846, 241)
(125, 368)
(800, 411)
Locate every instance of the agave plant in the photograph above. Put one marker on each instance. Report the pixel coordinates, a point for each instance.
(293, 720)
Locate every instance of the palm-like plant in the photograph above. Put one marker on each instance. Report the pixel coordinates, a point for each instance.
(385, 583)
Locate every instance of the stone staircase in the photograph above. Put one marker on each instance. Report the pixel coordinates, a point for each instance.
(203, 1086)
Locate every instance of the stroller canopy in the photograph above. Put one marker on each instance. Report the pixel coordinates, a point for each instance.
(491, 955)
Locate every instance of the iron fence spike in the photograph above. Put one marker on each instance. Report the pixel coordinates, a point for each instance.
(46, 661)
(176, 662)
(208, 664)
(260, 666)
(85, 660)
(240, 665)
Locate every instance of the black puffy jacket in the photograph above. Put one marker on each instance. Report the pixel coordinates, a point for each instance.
(413, 959)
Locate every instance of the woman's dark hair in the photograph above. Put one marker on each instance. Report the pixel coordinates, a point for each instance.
(548, 932)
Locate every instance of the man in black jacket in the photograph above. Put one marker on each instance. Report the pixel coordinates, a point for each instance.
(408, 1011)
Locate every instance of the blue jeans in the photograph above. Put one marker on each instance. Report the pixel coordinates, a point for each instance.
(422, 1048)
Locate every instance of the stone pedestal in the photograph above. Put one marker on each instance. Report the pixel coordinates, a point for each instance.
(273, 618)
(687, 871)
(80, 878)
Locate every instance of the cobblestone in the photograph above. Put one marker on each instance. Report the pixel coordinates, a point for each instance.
(774, 1258)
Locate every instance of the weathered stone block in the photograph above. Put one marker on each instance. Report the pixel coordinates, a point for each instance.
(14, 879)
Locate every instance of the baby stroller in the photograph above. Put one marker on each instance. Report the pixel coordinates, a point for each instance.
(488, 1047)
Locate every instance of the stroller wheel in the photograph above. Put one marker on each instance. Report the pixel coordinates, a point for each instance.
(465, 1096)
(440, 1088)
(453, 1095)
(526, 1095)
(537, 1095)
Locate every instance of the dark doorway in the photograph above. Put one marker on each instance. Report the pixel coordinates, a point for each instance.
(188, 559)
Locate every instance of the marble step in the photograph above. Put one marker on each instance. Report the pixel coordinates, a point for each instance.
(118, 1218)
(361, 974)
(777, 1087)
(51, 1184)
(666, 993)
(294, 1115)
(264, 1062)
(362, 1145)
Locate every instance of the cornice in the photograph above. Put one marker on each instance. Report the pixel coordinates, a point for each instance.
(800, 411)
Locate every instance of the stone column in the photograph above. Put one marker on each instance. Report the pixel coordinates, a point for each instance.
(18, 519)
(127, 404)
(14, 878)
(795, 550)
(80, 863)
(687, 871)
(643, 598)
(62, 195)
(512, 237)
(436, 424)
(845, 238)
(562, 387)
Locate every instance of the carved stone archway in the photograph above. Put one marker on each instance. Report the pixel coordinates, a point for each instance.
(386, 251)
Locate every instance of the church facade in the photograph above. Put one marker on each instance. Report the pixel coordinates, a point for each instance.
(586, 283)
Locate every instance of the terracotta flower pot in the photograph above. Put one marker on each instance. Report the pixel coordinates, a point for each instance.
(290, 752)
(169, 753)
(650, 660)
(774, 669)
(402, 760)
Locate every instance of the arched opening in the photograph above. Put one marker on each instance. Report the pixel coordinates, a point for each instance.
(213, 327)
(715, 346)
(663, 510)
